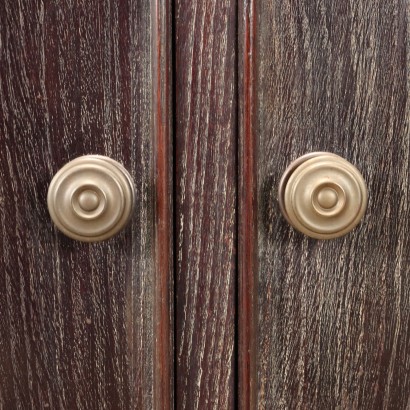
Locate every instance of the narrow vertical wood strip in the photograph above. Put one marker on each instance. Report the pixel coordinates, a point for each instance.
(163, 377)
(206, 200)
(247, 255)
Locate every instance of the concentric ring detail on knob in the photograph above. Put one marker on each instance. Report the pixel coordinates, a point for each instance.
(323, 195)
(91, 198)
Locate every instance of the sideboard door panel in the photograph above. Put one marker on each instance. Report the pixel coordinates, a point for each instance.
(79, 322)
(332, 315)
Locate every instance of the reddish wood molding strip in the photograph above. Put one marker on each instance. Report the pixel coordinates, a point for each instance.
(247, 255)
(163, 377)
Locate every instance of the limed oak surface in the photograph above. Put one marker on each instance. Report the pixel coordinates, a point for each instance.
(205, 203)
(79, 322)
(333, 316)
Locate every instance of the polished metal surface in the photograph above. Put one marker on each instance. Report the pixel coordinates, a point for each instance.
(322, 195)
(91, 198)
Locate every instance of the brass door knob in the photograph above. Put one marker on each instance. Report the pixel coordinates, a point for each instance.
(322, 195)
(91, 198)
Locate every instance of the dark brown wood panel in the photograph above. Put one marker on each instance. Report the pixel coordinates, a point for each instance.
(334, 324)
(205, 209)
(79, 322)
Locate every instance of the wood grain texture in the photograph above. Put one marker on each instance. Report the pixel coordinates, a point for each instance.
(334, 324)
(205, 202)
(247, 208)
(164, 244)
(77, 328)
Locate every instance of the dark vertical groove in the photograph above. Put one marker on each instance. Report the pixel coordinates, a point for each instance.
(237, 176)
(247, 221)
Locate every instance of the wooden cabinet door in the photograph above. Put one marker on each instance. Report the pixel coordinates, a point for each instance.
(325, 324)
(84, 326)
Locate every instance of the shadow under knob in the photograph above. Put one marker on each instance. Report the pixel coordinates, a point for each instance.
(91, 198)
(322, 195)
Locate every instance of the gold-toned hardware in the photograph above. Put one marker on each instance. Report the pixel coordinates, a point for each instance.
(322, 195)
(91, 198)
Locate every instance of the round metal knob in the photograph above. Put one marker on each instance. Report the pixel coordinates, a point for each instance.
(91, 198)
(322, 195)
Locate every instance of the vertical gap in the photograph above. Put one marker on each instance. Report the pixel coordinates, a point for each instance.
(237, 220)
(174, 190)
